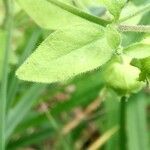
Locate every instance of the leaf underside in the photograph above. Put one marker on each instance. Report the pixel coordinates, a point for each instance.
(138, 50)
(49, 16)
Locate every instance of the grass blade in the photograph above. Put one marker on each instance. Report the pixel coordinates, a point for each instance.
(16, 115)
(112, 117)
(123, 123)
(31, 139)
(136, 123)
(3, 89)
(28, 49)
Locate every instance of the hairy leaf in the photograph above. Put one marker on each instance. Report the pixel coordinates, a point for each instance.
(113, 36)
(66, 53)
(114, 6)
(48, 15)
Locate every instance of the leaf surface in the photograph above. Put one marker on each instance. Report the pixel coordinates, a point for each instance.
(114, 6)
(52, 14)
(66, 53)
(138, 50)
(145, 67)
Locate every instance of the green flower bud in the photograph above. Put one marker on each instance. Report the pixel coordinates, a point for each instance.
(123, 77)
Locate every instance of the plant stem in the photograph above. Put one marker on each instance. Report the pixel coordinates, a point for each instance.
(3, 89)
(142, 10)
(134, 28)
(123, 123)
(79, 12)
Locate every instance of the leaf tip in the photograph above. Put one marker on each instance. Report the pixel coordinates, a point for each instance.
(19, 73)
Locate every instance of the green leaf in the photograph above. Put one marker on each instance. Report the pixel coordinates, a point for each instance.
(33, 138)
(48, 15)
(140, 2)
(112, 117)
(30, 46)
(54, 14)
(145, 67)
(146, 64)
(136, 123)
(114, 6)
(66, 53)
(113, 37)
(138, 50)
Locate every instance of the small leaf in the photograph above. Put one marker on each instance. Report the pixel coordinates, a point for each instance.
(113, 37)
(114, 6)
(145, 67)
(138, 50)
(66, 53)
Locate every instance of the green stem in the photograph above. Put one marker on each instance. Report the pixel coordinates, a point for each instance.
(142, 10)
(134, 28)
(79, 12)
(3, 89)
(123, 123)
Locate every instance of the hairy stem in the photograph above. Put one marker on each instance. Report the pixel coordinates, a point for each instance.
(3, 89)
(123, 123)
(134, 28)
